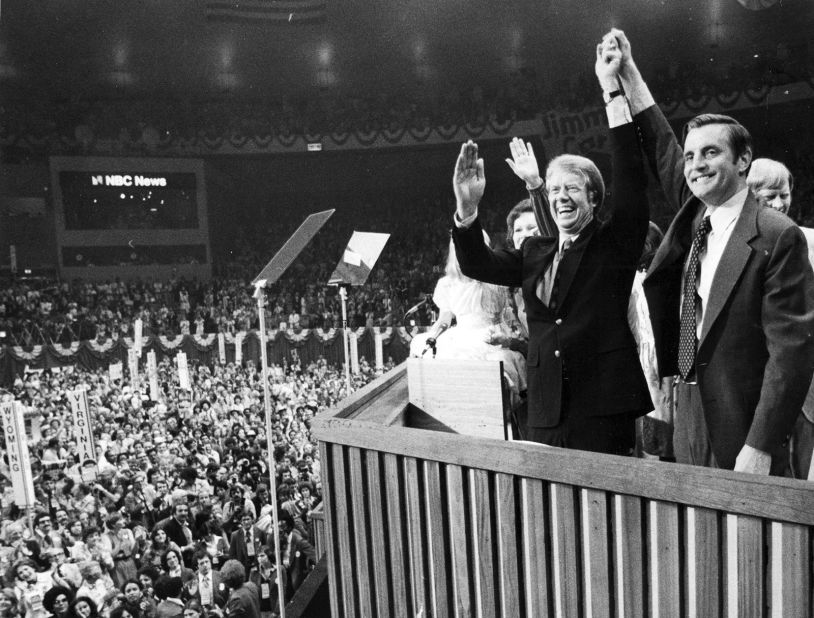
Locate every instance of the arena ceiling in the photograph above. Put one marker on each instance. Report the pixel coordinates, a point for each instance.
(168, 48)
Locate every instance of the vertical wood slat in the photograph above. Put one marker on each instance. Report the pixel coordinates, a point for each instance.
(438, 549)
(629, 556)
(331, 547)
(703, 563)
(345, 562)
(482, 543)
(508, 601)
(565, 550)
(396, 541)
(751, 574)
(790, 566)
(378, 540)
(664, 559)
(461, 571)
(362, 573)
(414, 500)
(595, 553)
(536, 571)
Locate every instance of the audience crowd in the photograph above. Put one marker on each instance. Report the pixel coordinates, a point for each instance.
(183, 486)
(522, 95)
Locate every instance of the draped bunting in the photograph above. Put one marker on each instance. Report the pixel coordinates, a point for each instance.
(215, 139)
(310, 344)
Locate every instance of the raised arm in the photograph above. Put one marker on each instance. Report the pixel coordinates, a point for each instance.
(468, 181)
(629, 214)
(663, 153)
(524, 165)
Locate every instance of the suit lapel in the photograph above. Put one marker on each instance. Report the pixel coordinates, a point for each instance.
(735, 256)
(676, 241)
(536, 258)
(571, 260)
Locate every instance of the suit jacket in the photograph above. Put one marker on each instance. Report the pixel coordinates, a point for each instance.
(238, 549)
(167, 609)
(219, 592)
(756, 350)
(244, 602)
(587, 338)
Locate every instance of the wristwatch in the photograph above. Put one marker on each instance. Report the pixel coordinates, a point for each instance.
(610, 96)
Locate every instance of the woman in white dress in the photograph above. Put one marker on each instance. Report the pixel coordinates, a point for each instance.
(478, 311)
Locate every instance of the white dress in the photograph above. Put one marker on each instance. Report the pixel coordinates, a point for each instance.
(478, 309)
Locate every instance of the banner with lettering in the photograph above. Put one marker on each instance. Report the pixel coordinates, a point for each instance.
(83, 433)
(17, 452)
(132, 365)
(583, 133)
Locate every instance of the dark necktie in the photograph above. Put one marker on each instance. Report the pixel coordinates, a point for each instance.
(550, 289)
(687, 341)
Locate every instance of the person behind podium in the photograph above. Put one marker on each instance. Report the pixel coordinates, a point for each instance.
(478, 310)
(585, 383)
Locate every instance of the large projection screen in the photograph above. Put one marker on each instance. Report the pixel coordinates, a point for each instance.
(130, 217)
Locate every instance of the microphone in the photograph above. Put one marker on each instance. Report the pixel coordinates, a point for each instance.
(415, 308)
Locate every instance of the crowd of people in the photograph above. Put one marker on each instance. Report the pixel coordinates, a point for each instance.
(179, 513)
(44, 311)
(523, 93)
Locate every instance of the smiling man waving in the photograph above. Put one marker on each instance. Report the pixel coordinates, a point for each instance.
(730, 291)
(585, 383)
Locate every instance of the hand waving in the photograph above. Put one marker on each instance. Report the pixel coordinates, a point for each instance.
(524, 163)
(469, 180)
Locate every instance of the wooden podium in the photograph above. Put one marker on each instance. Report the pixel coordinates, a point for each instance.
(435, 523)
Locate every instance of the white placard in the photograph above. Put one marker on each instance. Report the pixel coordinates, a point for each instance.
(132, 365)
(17, 453)
(152, 374)
(239, 348)
(222, 348)
(379, 349)
(137, 335)
(116, 371)
(353, 340)
(83, 433)
(183, 371)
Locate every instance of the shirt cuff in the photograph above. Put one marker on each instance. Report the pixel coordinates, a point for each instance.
(465, 223)
(618, 112)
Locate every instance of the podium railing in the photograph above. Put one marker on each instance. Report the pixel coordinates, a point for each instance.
(424, 523)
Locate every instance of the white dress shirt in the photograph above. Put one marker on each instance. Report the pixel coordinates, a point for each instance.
(722, 218)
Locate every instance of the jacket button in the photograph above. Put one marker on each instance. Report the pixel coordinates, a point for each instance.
(557, 353)
(558, 321)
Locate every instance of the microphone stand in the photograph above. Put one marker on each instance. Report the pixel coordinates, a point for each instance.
(343, 295)
(260, 296)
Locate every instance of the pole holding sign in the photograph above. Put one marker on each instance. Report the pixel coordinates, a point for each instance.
(183, 371)
(152, 374)
(83, 433)
(17, 452)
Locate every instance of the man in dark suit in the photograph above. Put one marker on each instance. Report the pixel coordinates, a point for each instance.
(585, 382)
(730, 291)
(210, 590)
(178, 531)
(246, 542)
